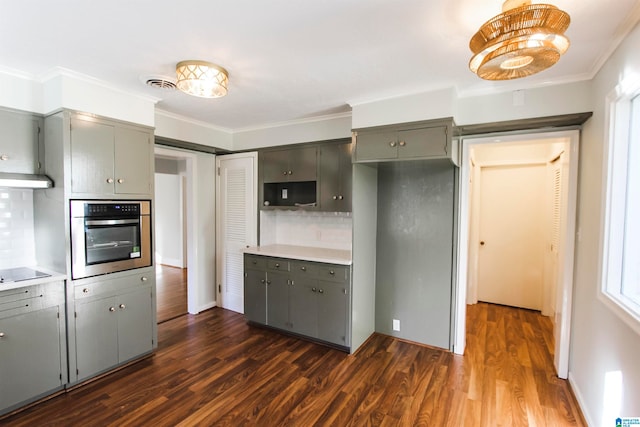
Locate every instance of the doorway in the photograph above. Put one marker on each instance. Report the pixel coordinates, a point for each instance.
(559, 148)
(170, 238)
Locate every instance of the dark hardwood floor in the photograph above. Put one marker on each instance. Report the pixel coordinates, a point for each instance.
(171, 292)
(214, 369)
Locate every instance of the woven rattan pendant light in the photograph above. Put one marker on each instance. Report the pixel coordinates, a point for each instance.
(523, 40)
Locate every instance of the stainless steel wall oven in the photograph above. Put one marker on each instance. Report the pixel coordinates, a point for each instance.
(109, 236)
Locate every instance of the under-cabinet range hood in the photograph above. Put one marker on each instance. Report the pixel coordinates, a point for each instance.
(24, 180)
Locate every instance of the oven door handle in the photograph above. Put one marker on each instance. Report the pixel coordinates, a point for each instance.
(112, 221)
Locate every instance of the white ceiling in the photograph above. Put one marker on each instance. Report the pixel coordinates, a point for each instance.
(287, 59)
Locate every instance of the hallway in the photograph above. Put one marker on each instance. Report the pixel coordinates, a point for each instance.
(171, 292)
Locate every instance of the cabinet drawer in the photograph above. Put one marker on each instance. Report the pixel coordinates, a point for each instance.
(333, 273)
(277, 264)
(19, 294)
(305, 268)
(111, 286)
(256, 262)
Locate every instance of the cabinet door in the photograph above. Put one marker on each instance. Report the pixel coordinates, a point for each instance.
(303, 311)
(423, 143)
(30, 355)
(330, 176)
(346, 169)
(303, 164)
(332, 312)
(255, 296)
(335, 178)
(278, 300)
(96, 336)
(18, 143)
(133, 159)
(376, 146)
(92, 145)
(135, 324)
(274, 166)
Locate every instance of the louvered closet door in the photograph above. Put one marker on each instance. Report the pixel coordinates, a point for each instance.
(237, 225)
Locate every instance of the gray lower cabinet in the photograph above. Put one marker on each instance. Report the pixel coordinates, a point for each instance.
(113, 324)
(307, 298)
(33, 350)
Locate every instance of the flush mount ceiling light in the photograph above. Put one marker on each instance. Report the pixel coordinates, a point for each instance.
(523, 40)
(203, 79)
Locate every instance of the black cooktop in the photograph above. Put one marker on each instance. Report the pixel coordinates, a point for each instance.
(19, 274)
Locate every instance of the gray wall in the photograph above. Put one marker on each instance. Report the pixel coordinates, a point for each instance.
(415, 249)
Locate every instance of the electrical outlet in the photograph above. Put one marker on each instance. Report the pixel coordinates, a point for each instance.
(396, 325)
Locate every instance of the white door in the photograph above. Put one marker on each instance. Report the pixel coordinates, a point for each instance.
(511, 253)
(237, 224)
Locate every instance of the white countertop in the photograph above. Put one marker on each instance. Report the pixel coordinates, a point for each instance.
(53, 277)
(304, 253)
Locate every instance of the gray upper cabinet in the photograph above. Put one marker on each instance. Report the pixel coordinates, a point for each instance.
(335, 177)
(410, 141)
(19, 134)
(290, 165)
(109, 158)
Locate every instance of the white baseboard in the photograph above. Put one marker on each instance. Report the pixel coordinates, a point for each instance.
(171, 262)
(581, 403)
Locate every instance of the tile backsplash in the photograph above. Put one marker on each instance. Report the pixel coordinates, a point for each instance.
(17, 243)
(332, 230)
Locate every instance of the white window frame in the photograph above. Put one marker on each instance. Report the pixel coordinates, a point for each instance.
(618, 130)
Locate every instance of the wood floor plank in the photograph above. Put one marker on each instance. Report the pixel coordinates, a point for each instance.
(214, 369)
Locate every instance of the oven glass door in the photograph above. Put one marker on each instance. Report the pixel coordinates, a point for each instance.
(109, 240)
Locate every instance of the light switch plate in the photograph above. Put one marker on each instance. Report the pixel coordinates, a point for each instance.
(396, 325)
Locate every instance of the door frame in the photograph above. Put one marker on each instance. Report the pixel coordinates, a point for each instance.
(565, 284)
(191, 217)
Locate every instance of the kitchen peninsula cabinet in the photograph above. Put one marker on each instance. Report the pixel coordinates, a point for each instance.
(33, 349)
(109, 158)
(113, 323)
(310, 299)
(409, 141)
(19, 141)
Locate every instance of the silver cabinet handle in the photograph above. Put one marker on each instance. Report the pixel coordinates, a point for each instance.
(320, 291)
(392, 144)
(143, 279)
(277, 265)
(120, 181)
(4, 157)
(109, 180)
(290, 173)
(284, 173)
(335, 197)
(122, 306)
(1, 334)
(268, 282)
(85, 291)
(331, 272)
(262, 281)
(313, 289)
(402, 143)
(112, 309)
(340, 197)
(303, 268)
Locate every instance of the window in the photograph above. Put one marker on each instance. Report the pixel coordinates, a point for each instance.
(621, 240)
